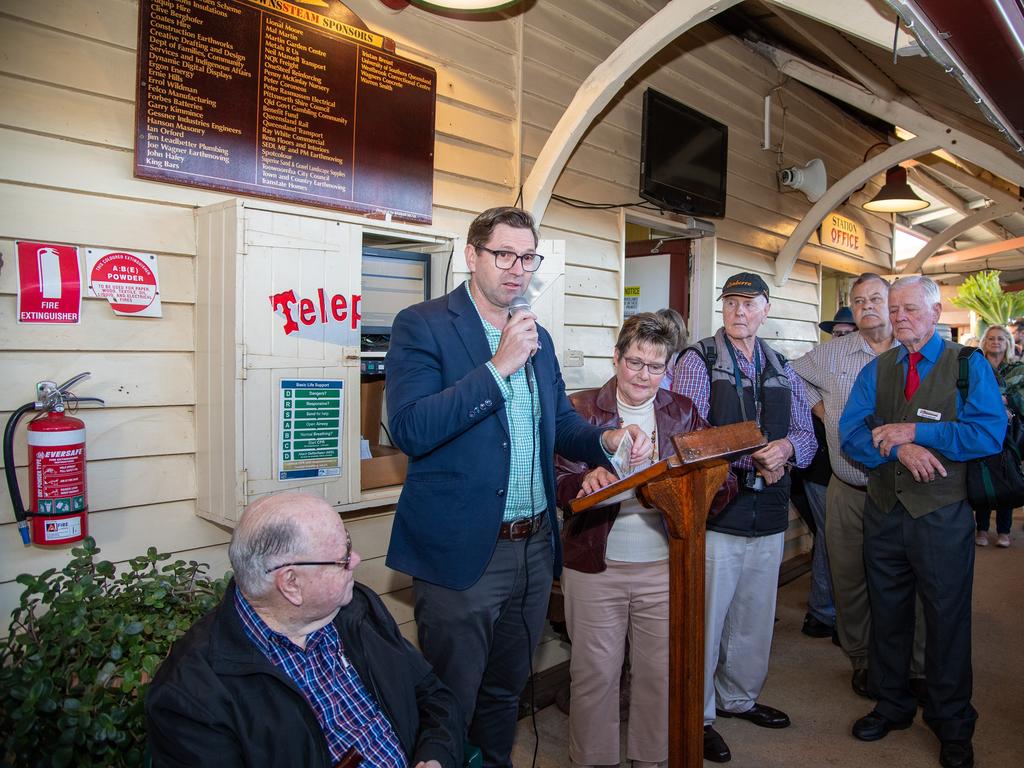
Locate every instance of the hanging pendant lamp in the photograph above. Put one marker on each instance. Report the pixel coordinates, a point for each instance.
(896, 196)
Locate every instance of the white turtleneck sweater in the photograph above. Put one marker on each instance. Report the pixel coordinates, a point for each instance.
(638, 534)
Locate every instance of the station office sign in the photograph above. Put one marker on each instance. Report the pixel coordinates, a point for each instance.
(272, 99)
(842, 234)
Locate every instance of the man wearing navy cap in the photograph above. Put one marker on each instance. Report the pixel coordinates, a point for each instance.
(731, 377)
(840, 325)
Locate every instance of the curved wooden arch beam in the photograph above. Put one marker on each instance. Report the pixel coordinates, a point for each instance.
(602, 84)
(954, 231)
(838, 192)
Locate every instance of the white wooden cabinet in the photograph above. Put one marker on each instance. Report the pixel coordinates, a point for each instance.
(249, 252)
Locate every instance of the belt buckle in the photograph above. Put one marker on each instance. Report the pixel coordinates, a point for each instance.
(520, 529)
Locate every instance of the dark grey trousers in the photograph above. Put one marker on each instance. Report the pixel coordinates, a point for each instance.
(480, 640)
(933, 556)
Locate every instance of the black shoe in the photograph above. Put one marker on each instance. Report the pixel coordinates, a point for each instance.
(859, 683)
(715, 748)
(874, 726)
(766, 717)
(954, 754)
(919, 690)
(814, 628)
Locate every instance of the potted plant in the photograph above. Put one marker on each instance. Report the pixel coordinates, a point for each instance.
(983, 294)
(82, 647)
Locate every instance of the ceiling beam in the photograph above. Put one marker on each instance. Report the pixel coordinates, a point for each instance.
(860, 18)
(982, 251)
(954, 231)
(837, 48)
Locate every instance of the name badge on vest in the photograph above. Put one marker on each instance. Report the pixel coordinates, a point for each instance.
(933, 415)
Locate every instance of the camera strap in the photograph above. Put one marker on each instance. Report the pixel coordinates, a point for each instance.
(738, 380)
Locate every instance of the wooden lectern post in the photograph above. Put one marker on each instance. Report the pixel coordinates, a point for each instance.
(682, 487)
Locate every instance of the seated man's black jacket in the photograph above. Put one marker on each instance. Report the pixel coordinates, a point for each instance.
(218, 701)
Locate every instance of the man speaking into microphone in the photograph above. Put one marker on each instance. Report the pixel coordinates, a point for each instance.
(476, 525)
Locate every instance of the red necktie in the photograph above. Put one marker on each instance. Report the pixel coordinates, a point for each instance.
(913, 380)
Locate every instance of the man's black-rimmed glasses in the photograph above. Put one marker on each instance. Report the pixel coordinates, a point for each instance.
(506, 259)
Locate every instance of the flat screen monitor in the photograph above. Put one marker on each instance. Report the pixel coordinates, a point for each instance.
(392, 281)
(683, 157)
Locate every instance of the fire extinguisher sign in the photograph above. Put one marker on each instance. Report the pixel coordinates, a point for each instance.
(49, 283)
(128, 281)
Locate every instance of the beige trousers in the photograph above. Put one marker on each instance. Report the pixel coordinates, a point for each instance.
(601, 610)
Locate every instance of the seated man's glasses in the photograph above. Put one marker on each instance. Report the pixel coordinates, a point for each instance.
(636, 364)
(344, 562)
(505, 259)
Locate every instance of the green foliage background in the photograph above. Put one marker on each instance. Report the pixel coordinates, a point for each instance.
(983, 294)
(83, 645)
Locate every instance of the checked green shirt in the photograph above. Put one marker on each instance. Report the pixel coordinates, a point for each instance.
(523, 411)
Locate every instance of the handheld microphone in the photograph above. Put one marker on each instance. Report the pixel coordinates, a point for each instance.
(520, 304)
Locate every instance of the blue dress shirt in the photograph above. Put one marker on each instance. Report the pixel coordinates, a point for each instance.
(978, 431)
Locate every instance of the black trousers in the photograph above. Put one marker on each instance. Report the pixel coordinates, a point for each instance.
(932, 556)
(480, 640)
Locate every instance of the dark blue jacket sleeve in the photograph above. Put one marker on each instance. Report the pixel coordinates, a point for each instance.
(423, 412)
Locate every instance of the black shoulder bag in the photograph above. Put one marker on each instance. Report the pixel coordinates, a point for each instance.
(996, 481)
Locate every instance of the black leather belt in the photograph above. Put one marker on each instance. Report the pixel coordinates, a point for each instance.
(520, 529)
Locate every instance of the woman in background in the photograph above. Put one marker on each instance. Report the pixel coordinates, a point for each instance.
(997, 344)
(615, 581)
(681, 340)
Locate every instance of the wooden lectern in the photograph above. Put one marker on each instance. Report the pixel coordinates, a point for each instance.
(682, 487)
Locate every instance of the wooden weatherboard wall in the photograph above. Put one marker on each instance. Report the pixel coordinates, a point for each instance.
(67, 93)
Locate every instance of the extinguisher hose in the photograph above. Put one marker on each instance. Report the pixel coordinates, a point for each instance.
(12, 475)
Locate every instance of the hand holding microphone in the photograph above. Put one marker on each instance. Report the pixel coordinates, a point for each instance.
(519, 339)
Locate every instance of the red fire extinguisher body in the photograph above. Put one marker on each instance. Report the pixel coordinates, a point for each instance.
(57, 492)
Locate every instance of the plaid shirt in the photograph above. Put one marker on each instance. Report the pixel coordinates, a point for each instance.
(691, 379)
(831, 369)
(523, 411)
(347, 714)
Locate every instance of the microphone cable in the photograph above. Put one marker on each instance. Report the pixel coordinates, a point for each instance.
(528, 371)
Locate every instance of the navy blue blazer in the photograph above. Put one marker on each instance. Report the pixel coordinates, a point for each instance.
(447, 414)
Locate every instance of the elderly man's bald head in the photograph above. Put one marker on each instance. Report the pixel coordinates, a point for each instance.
(273, 529)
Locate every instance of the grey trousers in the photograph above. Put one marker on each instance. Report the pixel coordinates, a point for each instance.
(481, 640)
(741, 577)
(844, 538)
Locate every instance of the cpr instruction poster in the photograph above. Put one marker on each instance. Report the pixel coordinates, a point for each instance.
(311, 428)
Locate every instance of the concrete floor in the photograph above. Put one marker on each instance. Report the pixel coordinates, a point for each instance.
(810, 680)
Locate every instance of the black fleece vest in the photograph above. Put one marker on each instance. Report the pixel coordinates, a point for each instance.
(765, 512)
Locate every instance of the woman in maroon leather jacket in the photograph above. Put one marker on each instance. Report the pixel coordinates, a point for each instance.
(615, 579)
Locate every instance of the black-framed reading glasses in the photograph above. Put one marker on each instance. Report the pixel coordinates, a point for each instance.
(506, 259)
(344, 562)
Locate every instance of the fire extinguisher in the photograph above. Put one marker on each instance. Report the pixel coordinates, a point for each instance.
(58, 503)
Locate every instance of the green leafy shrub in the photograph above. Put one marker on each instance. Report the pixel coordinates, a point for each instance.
(984, 294)
(82, 647)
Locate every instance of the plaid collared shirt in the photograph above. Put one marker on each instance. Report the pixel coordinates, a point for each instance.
(523, 411)
(691, 379)
(348, 715)
(830, 369)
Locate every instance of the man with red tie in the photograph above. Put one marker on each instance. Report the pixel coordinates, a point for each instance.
(906, 422)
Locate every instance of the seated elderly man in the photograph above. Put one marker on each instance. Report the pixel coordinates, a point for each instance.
(298, 665)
